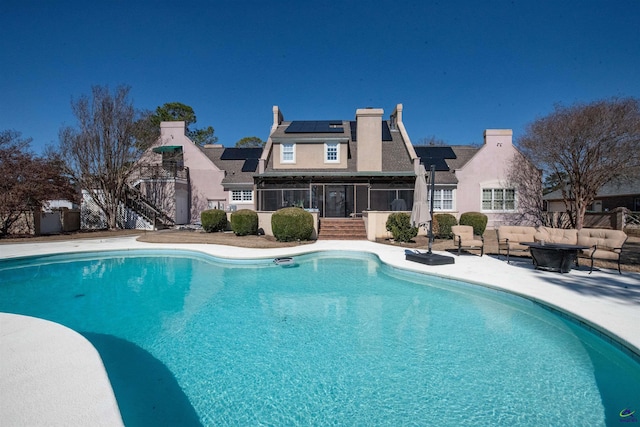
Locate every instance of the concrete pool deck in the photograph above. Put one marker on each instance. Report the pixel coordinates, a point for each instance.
(49, 375)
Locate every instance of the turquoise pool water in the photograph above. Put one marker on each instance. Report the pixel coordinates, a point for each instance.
(338, 339)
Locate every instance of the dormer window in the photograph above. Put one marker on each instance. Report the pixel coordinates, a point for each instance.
(288, 153)
(331, 152)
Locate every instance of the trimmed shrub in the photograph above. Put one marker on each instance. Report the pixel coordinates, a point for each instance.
(290, 224)
(244, 222)
(475, 219)
(442, 224)
(213, 220)
(399, 224)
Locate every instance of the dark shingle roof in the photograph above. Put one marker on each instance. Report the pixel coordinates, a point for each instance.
(454, 157)
(239, 164)
(395, 157)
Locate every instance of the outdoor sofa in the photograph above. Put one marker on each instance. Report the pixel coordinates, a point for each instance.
(603, 244)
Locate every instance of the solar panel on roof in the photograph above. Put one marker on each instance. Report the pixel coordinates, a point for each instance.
(250, 165)
(315, 126)
(443, 152)
(386, 132)
(439, 163)
(233, 153)
(435, 156)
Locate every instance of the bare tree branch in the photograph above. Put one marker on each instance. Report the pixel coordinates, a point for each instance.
(589, 145)
(102, 149)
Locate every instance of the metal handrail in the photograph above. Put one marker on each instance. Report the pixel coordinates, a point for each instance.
(170, 171)
(135, 200)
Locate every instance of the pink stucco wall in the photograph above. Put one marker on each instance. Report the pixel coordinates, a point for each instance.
(487, 169)
(205, 176)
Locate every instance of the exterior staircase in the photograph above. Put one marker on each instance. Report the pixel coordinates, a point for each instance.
(136, 202)
(342, 229)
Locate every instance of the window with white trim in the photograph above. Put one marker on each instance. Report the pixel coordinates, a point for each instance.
(241, 195)
(442, 200)
(288, 153)
(331, 152)
(498, 199)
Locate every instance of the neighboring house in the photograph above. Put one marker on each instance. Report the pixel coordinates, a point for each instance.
(624, 194)
(339, 168)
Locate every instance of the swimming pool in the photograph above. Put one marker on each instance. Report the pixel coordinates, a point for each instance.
(338, 338)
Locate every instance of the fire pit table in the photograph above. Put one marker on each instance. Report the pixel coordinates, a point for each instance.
(554, 256)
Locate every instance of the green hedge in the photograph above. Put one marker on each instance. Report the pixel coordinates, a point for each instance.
(442, 224)
(399, 224)
(290, 224)
(244, 222)
(213, 220)
(475, 219)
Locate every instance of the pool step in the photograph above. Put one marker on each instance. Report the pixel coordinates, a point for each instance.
(342, 229)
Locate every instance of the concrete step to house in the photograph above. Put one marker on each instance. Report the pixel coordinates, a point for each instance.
(342, 229)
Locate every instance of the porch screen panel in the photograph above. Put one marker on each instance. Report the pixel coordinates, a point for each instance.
(362, 198)
(407, 196)
(270, 199)
(299, 198)
(317, 198)
(381, 199)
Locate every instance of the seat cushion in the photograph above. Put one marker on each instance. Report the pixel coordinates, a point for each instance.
(515, 233)
(515, 246)
(602, 238)
(472, 243)
(557, 235)
(602, 254)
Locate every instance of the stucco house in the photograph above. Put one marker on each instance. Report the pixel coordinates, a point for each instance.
(345, 168)
(182, 179)
(361, 169)
(474, 178)
(339, 168)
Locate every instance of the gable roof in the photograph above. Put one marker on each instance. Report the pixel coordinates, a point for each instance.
(395, 158)
(446, 158)
(239, 164)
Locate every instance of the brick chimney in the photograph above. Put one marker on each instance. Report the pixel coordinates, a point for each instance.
(369, 139)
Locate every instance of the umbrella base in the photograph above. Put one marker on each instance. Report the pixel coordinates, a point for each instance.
(429, 258)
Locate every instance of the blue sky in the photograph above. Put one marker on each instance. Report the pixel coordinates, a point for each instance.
(458, 67)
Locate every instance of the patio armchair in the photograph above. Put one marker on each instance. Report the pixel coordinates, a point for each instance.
(464, 238)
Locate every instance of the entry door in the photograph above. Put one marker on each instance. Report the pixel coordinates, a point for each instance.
(335, 201)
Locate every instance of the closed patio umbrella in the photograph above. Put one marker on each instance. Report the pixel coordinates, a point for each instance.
(420, 215)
